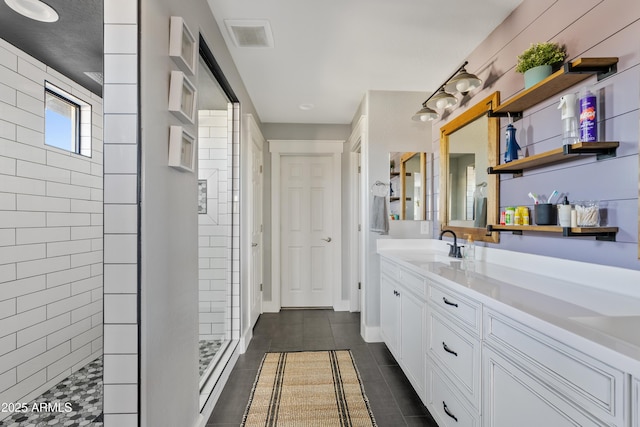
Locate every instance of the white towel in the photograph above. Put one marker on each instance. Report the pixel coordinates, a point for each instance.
(379, 217)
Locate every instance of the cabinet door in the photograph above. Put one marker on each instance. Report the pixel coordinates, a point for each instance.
(513, 397)
(457, 353)
(635, 403)
(412, 342)
(389, 315)
(446, 406)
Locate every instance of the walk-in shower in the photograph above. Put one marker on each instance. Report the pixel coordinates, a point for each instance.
(218, 195)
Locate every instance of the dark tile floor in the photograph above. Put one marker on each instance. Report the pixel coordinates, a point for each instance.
(393, 401)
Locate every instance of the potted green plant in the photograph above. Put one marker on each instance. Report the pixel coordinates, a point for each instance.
(536, 63)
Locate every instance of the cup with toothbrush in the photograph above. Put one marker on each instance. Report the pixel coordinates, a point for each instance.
(544, 213)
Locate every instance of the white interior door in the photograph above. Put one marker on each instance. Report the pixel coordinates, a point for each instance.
(306, 231)
(257, 184)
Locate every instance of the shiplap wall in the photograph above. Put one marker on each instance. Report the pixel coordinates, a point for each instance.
(51, 280)
(590, 28)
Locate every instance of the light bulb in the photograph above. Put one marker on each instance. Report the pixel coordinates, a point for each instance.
(442, 104)
(462, 85)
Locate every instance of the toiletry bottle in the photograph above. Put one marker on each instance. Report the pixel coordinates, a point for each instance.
(564, 213)
(511, 151)
(469, 248)
(568, 103)
(588, 116)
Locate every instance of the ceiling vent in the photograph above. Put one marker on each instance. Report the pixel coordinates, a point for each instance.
(250, 33)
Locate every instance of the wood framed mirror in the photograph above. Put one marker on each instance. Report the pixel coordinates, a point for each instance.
(410, 186)
(469, 196)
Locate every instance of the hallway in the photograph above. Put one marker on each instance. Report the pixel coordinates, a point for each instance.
(392, 399)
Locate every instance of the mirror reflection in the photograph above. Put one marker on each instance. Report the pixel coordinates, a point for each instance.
(468, 194)
(408, 191)
(468, 162)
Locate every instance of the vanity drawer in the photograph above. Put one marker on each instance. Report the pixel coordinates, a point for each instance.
(447, 408)
(414, 282)
(389, 268)
(595, 386)
(462, 309)
(458, 354)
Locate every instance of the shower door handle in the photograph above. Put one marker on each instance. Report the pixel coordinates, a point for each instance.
(328, 239)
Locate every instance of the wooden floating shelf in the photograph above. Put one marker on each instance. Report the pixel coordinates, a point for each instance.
(600, 233)
(569, 75)
(562, 154)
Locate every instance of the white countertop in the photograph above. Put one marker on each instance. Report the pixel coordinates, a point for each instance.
(593, 308)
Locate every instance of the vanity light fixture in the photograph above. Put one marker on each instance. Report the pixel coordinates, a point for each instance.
(460, 82)
(34, 9)
(463, 82)
(442, 100)
(425, 114)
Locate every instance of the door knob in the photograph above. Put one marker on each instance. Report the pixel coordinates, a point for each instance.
(328, 239)
(253, 245)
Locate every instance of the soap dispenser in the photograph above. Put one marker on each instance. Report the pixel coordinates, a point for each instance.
(469, 248)
(568, 104)
(564, 213)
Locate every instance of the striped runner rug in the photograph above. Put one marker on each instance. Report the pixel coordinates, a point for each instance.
(310, 388)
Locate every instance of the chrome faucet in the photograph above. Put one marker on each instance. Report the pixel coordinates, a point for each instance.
(454, 250)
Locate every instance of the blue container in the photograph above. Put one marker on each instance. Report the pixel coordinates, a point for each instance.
(588, 117)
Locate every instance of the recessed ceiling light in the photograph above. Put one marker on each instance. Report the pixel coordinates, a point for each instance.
(34, 9)
(306, 107)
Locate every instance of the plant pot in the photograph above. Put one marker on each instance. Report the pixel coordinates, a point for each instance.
(536, 74)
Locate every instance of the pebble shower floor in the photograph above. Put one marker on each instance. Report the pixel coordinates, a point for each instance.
(82, 391)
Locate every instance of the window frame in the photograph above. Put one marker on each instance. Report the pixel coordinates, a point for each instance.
(82, 144)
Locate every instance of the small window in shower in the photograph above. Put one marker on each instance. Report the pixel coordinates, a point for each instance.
(67, 121)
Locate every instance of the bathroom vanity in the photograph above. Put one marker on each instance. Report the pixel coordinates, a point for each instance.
(512, 339)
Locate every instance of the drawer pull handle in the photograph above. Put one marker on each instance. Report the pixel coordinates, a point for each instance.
(446, 301)
(448, 350)
(446, 411)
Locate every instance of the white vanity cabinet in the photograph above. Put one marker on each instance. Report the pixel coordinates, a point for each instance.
(402, 320)
(485, 352)
(514, 397)
(453, 363)
(533, 379)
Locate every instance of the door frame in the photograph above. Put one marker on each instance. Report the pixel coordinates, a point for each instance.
(279, 149)
(250, 135)
(355, 269)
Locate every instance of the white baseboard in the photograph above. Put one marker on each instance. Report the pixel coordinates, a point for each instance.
(207, 410)
(270, 307)
(370, 333)
(245, 339)
(342, 305)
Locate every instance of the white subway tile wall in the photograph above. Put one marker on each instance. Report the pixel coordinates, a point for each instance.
(234, 201)
(51, 256)
(120, 213)
(214, 225)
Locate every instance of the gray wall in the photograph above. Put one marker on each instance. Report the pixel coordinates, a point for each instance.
(289, 131)
(390, 129)
(170, 279)
(613, 181)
